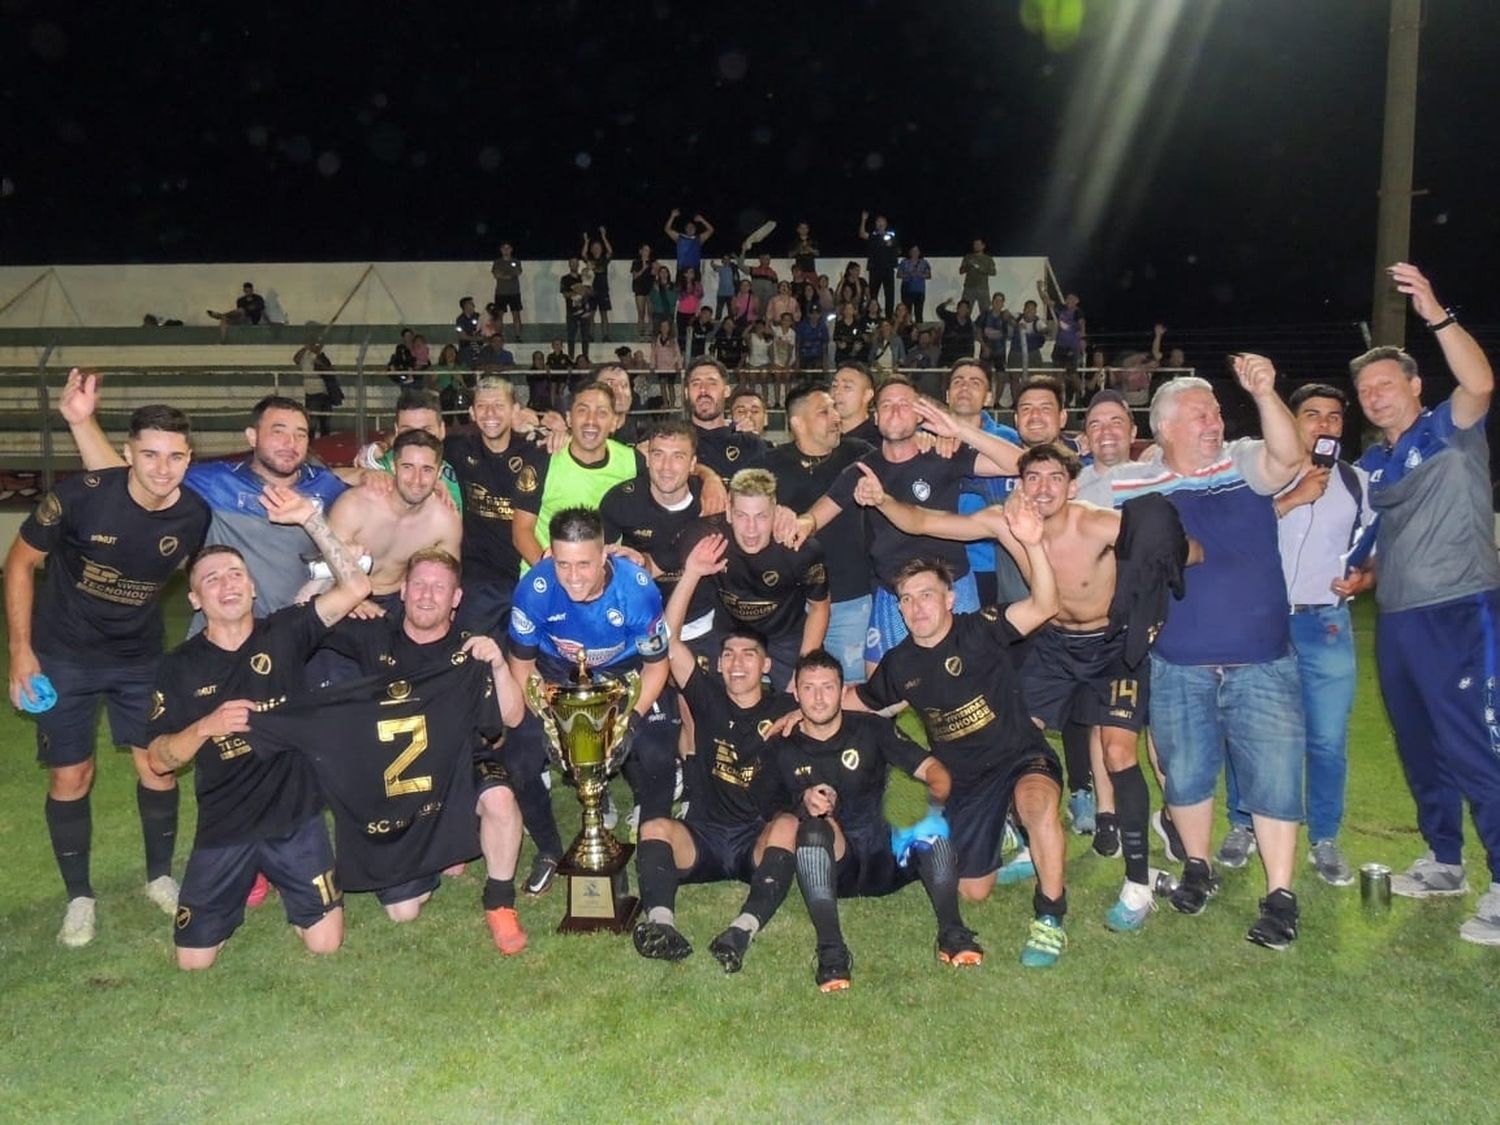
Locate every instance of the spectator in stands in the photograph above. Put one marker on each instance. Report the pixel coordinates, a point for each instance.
(758, 342)
(887, 352)
(538, 394)
(666, 361)
(249, 308)
(489, 321)
(701, 333)
(783, 302)
(578, 299)
(507, 274)
(663, 296)
(689, 241)
(905, 326)
(824, 300)
(853, 287)
(728, 344)
(763, 280)
(496, 354)
(804, 255)
(784, 344)
(689, 298)
(926, 353)
(642, 282)
(958, 332)
(812, 342)
(994, 330)
(884, 253)
(317, 388)
(401, 362)
(870, 319)
(853, 394)
(915, 272)
(849, 340)
(727, 274)
(421, 354)
(744, 307)
(975, 270)
(747, 410)
(1071, 340)
(466, 326)
(1028, 334)
(596, 254)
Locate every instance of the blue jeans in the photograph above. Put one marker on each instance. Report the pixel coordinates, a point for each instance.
(1324, 642)
(1251, 713)
(845, 639)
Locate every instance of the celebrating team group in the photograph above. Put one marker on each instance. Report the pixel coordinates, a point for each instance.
(361, 638)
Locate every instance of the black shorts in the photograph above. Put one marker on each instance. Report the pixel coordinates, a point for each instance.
(1083, 678)
(976, 811)
(724, 852)
(602, 301)
(872, 872)
(412, 888)
(507, 302)
(211, 904)
(65, 733)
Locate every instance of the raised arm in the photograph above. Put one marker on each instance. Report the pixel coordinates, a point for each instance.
(997, 457)
(604, 238)
(864, 232)
(1283, 454)
(351, 584)
(507, 691)
(706, 229)
(78, 405)
(1026, 526)
(706, 557)
(1462, 353)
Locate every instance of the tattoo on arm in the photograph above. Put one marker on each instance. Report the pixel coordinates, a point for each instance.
(340, 559)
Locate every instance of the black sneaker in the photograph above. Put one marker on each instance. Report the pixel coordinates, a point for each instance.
(1107, 834)
(1276, 928)
(729, 948)
(1171, 841)
(835, 968)
(958, 946)
(543, 871)
(661, 942)
(1198, 885)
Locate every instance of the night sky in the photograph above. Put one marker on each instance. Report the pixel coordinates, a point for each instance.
(1245, 192)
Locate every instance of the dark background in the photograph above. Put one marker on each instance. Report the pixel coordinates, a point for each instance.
(162, 133)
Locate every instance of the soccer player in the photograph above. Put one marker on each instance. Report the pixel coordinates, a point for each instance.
(853, 394)
(957, 672)
(254, 814)
(1438, 597)
(425, 639)
(724, 834)
(582, 603)
(829, 773)
(1076, 669)
(721, 447)
(416, 409)
(495, 468)
(110, 540)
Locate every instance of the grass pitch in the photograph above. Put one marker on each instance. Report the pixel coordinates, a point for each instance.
(1362, 1020)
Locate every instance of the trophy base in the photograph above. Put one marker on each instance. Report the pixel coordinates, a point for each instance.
(599, 900)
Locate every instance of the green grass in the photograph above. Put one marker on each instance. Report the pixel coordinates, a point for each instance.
(1362, 1020)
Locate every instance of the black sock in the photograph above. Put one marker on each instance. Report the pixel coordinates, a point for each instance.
(535, 803)
(815, 875)
(158, 809)
(1133, 802)
(769, 884)
(657, 871)
(938, 866)
(1075, 740)
(498, 893)
(1041, 904)
(71, 825)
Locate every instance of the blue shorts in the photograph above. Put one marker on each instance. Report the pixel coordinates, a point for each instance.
(1251, 712)
(888, 628)
(845, 639)
(65, 733)
(211, 904)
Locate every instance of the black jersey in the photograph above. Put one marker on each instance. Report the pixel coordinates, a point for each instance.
(800, 479)
(855, 763)
(380, 646)
(491, 484)
(395, 759)
(728, 751)
(928, 480)
(966, 690)
(727, 450)
(867, 432)
(633, 517)
(241, 796)
(770, 589)
(107, 560)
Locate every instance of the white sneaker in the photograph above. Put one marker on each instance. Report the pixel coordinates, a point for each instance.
(78, 923)
(163, 891)
(1427, 878)
(1484, 927)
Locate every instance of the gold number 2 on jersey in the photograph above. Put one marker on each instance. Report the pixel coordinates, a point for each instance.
(395, 784)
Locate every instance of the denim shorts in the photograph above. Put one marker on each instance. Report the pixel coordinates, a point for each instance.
(1251, 712)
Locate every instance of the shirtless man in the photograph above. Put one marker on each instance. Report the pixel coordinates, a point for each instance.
(1075, 669)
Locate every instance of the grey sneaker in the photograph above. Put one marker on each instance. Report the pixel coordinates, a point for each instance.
(1237, 847)
(1330, 864)
(1484, 927)
(78, 923)
(163, 891)
(1427, 878)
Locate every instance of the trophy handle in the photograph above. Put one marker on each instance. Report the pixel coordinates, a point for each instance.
(537, 697)
(619, 749)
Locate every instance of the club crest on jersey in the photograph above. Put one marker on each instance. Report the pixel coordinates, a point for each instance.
(514, 464)
(184, 916)
(1413, 458)
(260, 664)
(520, 622)
(850, 759)
(921, 489)
(640, 578)
(167, 546)
(953, 666)
(614, 617)
(471, 460)
(398, 690)
(91, 481)
(539, 584)
(49, 511)
(732, 453)
(763, 727)
(526, 481)
(770, 578)
(990, 613)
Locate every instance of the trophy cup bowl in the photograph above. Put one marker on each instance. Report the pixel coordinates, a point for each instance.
(584, 724)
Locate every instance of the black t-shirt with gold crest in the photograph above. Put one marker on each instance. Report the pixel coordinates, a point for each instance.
(770, 589)
(241, 797)
(855, 763)
(107, 560)
(635, 519)
(492, 483)
(728, 751)
(966, 691)
(380, 646)
(395, 759)
(727, 450)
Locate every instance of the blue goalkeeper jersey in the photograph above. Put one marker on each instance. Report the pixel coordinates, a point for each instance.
(620, 629)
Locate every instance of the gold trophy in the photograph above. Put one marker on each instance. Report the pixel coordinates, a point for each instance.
(584, 723)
